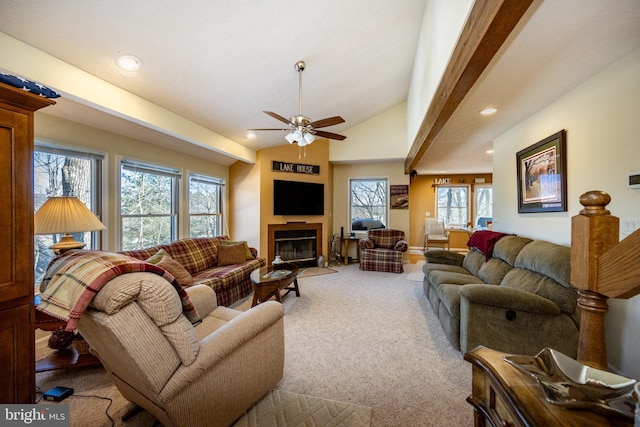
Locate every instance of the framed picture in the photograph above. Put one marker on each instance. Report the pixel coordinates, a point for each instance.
(399, 196)
(542, 175)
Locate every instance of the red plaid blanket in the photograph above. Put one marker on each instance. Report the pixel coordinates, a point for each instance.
(74, 278)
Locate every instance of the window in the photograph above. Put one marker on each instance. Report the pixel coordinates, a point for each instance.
(149, 205)
(60, 172)
(368, 208)
(205, 206)
(484, 206)
(453, 204)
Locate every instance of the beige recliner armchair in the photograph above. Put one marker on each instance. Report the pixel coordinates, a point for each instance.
(207, 375)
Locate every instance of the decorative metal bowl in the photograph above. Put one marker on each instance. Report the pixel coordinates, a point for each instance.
(569, 383)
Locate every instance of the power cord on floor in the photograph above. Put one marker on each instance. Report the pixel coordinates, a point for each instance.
(92, 396)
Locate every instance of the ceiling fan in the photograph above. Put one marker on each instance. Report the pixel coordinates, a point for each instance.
(301, 129)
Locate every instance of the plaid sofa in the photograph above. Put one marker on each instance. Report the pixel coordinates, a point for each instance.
(382, 250)
(198, 255)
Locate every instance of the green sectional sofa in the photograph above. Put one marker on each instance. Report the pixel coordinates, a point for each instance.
(518, 300)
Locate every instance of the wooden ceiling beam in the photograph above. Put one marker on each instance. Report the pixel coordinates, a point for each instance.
(489, 24)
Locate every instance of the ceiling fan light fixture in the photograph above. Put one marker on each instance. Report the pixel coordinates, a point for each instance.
(309, 137)
(297, 135)
(289, 137)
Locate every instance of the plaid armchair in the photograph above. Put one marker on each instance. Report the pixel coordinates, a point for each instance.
(382, 250)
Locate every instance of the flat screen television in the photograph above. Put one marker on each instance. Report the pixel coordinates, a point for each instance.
(297, 198)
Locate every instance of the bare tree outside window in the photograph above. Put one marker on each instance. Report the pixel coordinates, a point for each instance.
(205, 206)
(61, 173)
(484, 202)
(369, 200)
(453, 204)
(148, 198)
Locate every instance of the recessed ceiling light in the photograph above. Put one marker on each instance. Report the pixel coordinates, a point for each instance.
(129, 62)
(251, 135)
(489, 151)
(488, 111)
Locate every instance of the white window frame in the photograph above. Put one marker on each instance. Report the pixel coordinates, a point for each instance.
(151, 168)
(206, 179)
(467, 207)
(95, 240)
(476, 205)
(384, 205)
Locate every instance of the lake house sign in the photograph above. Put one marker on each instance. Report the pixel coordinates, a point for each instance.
(295, 168)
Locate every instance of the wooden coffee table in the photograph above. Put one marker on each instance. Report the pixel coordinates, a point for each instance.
(267, 282)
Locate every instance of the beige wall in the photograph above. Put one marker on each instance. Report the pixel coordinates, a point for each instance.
(423, 199)
(51, 129)
(603, 146)
(394, 171)
(251, 205)
(442, 23)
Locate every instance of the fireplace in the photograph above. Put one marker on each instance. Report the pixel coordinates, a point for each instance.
(297, 242)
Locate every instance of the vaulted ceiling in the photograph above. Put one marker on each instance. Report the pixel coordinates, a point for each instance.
(220, 64)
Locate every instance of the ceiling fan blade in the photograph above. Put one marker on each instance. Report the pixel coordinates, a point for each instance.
(271, 129)
(329, 121)
(277, 117)
(330, 135)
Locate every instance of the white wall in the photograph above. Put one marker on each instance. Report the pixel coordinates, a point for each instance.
(379, 138)
(441, 26)
(602, 119)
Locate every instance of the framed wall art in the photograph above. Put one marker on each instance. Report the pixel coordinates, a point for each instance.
(399, 196)
(542, 175)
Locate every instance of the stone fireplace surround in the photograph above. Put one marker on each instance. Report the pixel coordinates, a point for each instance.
(298, 242)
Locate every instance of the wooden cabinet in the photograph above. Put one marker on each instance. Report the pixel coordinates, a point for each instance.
(501, 395)
(17, 339)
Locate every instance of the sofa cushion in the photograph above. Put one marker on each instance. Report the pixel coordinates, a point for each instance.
(473, 260)
(157, 257)
(529, 281)
(178, 271)
(548, 259)
(437, 278)
(195, 254)
(430, 266)
(248, 253)
(232, 254)
(493, 271)
(508, 248)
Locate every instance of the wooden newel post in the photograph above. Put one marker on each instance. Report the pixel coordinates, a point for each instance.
(593, 232)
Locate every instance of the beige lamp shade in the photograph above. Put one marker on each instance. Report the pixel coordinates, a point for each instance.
(65, 215)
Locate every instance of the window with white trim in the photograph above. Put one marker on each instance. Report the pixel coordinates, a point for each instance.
(453, 204)
(205, 206)
(483, 205)
(149, 204)
(64, 172)
(368, 203)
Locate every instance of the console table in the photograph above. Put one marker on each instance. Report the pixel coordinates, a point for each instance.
(503, 396)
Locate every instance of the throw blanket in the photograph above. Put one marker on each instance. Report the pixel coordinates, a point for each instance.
(74, 278)
(484, 241)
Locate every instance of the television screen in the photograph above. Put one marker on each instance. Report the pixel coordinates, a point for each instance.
(297, 198)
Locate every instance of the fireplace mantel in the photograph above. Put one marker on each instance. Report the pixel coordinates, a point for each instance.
(292, 226)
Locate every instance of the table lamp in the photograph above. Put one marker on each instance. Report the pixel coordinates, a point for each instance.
(65, 215)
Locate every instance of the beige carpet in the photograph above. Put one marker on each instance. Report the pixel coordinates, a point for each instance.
(315, 271)
(284, 409)
(363, 337)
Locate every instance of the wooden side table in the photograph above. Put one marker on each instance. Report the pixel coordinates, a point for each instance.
(503, 396)
(346, 241)
(60, 359)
